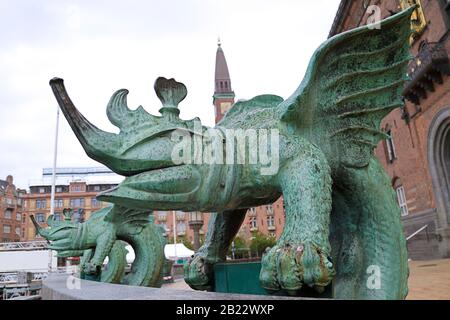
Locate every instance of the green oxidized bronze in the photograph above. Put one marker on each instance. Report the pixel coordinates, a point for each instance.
(103, 235)
(342, 218)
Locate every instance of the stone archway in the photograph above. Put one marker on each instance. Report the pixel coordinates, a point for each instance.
(439, 165)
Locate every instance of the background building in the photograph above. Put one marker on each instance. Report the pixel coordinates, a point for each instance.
(417, 154)
(11, 216)
(75, 188)
(184, 233)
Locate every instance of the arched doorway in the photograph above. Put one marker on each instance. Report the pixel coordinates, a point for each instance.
(439, 164)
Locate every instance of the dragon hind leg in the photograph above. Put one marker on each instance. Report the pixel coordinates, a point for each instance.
(147, 267)
(367, 237)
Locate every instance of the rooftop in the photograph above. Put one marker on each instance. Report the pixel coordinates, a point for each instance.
(66, 175)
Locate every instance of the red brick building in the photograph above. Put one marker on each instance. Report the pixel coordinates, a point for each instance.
(183, 230)
(417, 154)
(11, 217)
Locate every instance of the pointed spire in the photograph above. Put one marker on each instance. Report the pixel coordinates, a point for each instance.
(223, 98)
(222, 77)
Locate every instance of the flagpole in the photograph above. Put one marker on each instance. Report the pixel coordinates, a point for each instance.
(55, 153)
(175, 235)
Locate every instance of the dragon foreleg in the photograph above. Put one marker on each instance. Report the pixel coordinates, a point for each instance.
(302, 254)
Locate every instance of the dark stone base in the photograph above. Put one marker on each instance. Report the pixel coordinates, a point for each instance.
(243, 278)
(444, 242)
(57, 287)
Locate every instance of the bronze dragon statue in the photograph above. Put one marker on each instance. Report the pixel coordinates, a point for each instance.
(103, 235)
(342, 218)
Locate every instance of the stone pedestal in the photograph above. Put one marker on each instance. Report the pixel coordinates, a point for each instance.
(66, 287)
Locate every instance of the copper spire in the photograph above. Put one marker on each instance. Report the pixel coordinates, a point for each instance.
(222, 77)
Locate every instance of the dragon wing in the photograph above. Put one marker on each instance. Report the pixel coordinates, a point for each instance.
(352, 82)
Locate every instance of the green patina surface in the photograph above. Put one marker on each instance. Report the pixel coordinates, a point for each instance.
(342, 218)
(103, 235)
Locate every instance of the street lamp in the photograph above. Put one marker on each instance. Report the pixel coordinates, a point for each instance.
(195, 223)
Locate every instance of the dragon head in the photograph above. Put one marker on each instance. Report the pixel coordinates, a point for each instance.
(60, 234)
(127, 153)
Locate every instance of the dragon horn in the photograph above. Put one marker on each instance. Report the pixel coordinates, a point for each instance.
(41, 231)
(99, 145)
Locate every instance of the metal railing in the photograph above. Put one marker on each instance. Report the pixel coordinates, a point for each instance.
(18, 246)
(10, 277)
(417, 232)
(13, 277)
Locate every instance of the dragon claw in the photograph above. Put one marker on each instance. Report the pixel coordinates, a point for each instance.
(198, 274)
(289, 267)
(91, 268)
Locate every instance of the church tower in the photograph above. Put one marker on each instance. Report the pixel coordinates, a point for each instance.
(223, 98)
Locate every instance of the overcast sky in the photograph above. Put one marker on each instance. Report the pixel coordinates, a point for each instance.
(99, 47)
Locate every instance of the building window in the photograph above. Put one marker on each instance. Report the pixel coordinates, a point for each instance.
(9, 201)
(270, 221)
(269, 210)
(96, 188)
(95, 203)
(392, 155)
(180, 215)
(41, 190)
(8, 214)
(41, 204)
(77, 203)
(401, 197)
(253, 223)
(59, 189)
(78, 215)
(18, 231)
(18, 216)
(57, 217)
(181, 227)
(59, 203)
(40, 217)
(162, 216)
(6, 228)
(76, 188)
